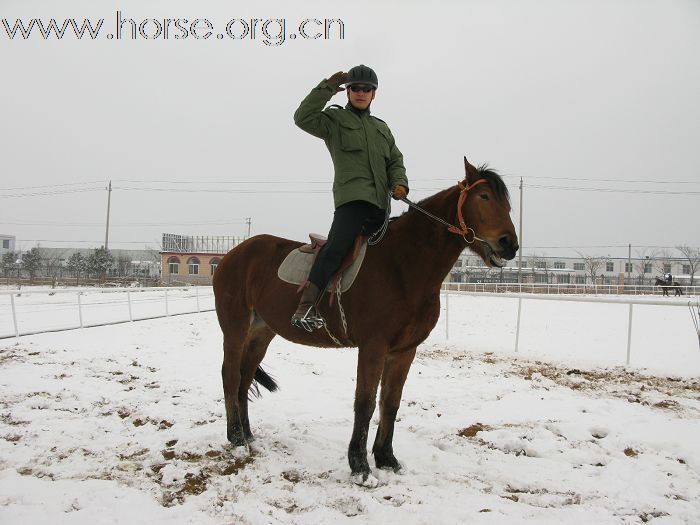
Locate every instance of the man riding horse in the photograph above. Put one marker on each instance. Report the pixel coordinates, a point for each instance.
(366, 163)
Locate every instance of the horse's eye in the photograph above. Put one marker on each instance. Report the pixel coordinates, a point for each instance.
(484, 196)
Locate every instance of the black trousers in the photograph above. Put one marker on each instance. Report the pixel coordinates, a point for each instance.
(349, 220)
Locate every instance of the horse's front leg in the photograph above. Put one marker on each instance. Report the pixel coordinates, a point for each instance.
(370, 362)
(396, 368)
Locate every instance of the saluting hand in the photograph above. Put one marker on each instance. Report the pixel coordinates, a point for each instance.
(336, 79)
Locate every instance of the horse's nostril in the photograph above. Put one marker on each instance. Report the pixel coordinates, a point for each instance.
(504, 241)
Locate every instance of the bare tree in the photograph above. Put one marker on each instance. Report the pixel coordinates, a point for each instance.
(692, 255)
(538, 264)
(661, 261)
(594, 264)
(642, 264)
(52, 260)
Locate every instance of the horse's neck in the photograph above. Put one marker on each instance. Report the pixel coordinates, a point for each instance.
(430, 251)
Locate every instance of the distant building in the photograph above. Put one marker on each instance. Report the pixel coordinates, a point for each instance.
(7, 244)
(189, 259)
(570, 270)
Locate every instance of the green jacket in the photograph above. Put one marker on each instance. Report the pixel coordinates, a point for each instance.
(366, 161)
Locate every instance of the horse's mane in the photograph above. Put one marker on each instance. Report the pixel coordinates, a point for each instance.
(492, 177)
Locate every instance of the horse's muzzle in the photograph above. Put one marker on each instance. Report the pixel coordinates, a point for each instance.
(507, 247)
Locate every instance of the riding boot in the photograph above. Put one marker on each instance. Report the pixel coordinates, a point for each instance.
(307, 316)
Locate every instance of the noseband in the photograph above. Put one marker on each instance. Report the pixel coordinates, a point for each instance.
(463, 229)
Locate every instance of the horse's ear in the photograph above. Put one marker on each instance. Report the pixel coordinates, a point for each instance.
(469, 170)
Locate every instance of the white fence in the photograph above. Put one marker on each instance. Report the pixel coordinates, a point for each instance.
(30, 311)
(562, 288)
(688, 303)
(36, 310)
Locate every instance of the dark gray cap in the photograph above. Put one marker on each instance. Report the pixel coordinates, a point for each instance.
(362, 75)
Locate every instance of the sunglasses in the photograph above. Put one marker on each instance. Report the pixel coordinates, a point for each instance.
(364, 89)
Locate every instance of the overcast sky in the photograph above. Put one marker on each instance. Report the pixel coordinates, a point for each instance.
(595, 104)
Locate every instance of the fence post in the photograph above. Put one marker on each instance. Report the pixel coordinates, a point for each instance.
(167, 313)
(128, 299)
(196, 294)
(629, 335)
(447, 314)
(517, 326)
(14, 314)
(80, 311)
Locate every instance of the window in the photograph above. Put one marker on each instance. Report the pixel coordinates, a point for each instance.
(564, 279)
(458, 263)
(579, 266)
(686, 269)
(6, 243)
(609, 267)
(558, 265)
(647, 268)
(580, 279)
(213, 264)
(541, 278)
(667, 268)
(628, 267)
(174, 265)
(524, 264)
(193, 266)
(541, 264)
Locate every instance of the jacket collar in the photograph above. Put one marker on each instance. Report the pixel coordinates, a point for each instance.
(359, 112)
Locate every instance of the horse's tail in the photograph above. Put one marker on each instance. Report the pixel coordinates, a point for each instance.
(264, 379)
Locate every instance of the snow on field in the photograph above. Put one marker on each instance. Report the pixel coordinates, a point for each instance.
(126, 424)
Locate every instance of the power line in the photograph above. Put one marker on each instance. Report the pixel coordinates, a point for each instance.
(43, 193)
(123, 224)
(53, 185)
(613, 190)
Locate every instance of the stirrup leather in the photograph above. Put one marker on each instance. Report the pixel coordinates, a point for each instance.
(310, 321)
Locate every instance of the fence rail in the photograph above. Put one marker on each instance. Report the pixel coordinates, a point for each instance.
(692, 303)
(570, 289)
(37, 310)
(31, 311)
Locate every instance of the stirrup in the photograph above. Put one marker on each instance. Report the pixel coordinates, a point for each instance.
(310, 321)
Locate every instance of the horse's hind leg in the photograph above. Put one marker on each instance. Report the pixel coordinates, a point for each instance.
(396, 369)
(259, 337)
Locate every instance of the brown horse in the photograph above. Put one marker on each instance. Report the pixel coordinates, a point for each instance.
(390, 309)
(666, 286)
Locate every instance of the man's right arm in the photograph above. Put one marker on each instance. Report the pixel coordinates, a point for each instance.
(309, 115)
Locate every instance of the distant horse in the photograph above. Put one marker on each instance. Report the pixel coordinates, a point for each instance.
(391, 308)
(665, 286)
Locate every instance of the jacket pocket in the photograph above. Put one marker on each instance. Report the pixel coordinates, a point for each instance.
(384, 142)
(351, 137)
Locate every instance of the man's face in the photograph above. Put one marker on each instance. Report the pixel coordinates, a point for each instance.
(360, 95)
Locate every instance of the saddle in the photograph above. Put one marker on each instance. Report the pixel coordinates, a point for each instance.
(296, 266)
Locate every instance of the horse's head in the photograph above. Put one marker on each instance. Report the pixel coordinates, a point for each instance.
(486, 211)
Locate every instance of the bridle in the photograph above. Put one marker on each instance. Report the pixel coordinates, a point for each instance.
(463, 229)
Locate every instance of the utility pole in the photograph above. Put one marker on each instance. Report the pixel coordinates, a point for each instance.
(520, 235)
(247, 221)
(109, 198)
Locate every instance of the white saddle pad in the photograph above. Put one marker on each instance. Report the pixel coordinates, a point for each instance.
(296, 267)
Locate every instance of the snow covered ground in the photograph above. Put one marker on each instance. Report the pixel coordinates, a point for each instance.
(126, 424)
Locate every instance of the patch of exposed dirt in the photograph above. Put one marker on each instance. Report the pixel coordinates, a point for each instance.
(472, 430)
(211, 464)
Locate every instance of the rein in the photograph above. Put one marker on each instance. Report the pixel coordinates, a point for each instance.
(463, 230)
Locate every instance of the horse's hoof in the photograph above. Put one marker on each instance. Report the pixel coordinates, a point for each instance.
(237, 439)
(365, 479)
(388, 464)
